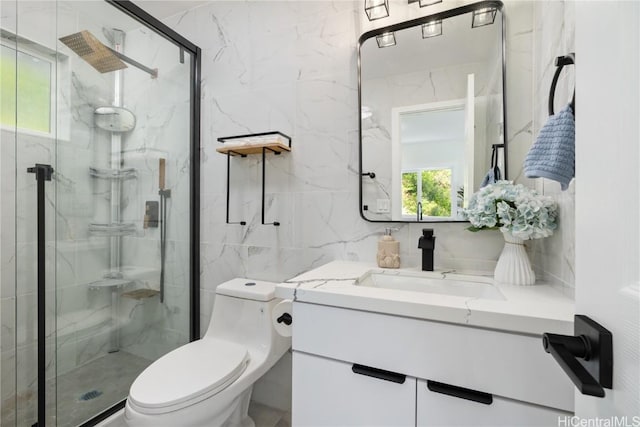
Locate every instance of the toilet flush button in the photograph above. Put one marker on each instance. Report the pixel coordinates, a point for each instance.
(250, 284)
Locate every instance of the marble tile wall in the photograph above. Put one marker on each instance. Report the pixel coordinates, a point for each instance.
(554, 35)
(291, 66)
(162, 110)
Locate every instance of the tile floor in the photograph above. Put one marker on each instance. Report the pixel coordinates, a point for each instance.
(110, 376)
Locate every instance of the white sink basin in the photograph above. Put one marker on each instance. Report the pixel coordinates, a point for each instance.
(432, 283)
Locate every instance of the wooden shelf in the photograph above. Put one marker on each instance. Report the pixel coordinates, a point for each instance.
(243, 150)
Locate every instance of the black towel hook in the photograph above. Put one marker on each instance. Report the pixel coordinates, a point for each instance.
(561, 61)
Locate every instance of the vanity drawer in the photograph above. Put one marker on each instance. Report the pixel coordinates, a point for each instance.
(332, 393)
(500, 363)
(445, 405)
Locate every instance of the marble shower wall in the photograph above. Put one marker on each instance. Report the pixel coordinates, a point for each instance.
(162, 109)
(554, 35)
(291, 66)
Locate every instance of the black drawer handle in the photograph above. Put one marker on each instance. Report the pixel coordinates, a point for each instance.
(381, 374)
(460, 392)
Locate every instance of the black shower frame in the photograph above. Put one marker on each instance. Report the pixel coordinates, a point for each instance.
(148, 20)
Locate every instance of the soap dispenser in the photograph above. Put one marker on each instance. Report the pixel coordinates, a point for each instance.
(388, 251)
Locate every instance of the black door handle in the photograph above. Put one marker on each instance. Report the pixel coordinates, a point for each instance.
(381, 374)
(587, 357)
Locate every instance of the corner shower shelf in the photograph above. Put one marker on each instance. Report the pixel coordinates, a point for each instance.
(139, 294)
(256, 143)
(107, 283)
(128, 173)
(114, 229)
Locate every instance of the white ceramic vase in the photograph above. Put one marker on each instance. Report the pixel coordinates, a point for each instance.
(514, 267)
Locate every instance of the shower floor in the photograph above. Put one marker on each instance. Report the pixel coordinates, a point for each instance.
(110, 376)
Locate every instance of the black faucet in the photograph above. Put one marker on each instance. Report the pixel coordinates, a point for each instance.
(427, 243)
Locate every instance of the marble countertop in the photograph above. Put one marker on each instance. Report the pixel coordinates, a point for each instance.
(526, 309)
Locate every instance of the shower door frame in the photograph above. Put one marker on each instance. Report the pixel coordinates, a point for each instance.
(185, 45)
(150, 21)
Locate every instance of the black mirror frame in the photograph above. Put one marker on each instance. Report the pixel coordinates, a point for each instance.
(412, 23)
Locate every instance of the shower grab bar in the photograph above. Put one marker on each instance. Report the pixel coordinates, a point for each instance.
(43, 173)
(561, 61)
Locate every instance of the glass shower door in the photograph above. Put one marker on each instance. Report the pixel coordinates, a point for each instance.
(123, 199)
(109, 106)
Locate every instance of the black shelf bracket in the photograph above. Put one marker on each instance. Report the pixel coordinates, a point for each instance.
(264, 168)
(229, 153)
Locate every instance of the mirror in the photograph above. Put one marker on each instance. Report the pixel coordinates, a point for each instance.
(431, 94)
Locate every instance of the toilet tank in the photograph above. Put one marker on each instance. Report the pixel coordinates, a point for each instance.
(242, 313)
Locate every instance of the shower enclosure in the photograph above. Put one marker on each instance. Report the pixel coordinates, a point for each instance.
(99, 205)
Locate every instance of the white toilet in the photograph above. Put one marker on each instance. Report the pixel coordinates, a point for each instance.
(209, 382)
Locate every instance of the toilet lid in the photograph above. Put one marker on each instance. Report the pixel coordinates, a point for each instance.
(206, 366)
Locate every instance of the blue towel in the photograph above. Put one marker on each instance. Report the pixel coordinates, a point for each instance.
(553, 155)
(494, 175)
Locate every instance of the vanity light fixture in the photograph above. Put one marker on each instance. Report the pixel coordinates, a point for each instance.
(482, 17)
(432, 29)
(386, 39)
(424, 3)
(376, 9)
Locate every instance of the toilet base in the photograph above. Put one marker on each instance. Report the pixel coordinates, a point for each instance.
(240, 415)
(232, 414)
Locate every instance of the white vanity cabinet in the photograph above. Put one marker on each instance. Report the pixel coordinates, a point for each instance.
(518, 382)
(334, 393)
(440, 405)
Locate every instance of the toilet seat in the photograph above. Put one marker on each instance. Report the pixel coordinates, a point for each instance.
(187, 375)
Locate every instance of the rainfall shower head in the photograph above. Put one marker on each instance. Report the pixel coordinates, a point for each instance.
(101, 57)
(89, 48)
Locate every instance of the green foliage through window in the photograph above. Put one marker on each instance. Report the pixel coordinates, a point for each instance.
(432, 187)
(26, 95)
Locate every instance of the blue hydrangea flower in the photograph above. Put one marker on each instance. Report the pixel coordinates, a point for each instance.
(512, 208)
